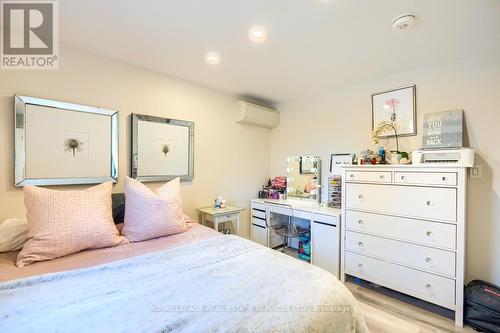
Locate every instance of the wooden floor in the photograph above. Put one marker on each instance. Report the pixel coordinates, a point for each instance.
(386, 314)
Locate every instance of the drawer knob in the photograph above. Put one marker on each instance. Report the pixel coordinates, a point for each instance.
(428, 203)
(360, 222)
(360, 196)
(444, 179)
(428, 286)
(360, 265)
(360, 244)
(429, 233)
(403, 177)
(382, 177)
(428, 260)
(351, 175)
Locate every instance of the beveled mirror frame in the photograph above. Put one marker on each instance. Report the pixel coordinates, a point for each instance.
(134, 162)
(20, 180)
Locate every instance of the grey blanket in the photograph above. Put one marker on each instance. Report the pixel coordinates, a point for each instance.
(224, 284)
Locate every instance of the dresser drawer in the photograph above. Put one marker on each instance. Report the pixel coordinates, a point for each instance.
(221, 218)
(369, 176)
(284, 210)
(434, 260)
(259, 206)
(418, 231)
(326, 219)
(259, 222)
(258, 213)
(420, 284)
(409, 201)
(426, 178)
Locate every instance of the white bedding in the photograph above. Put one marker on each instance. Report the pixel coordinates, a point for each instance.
(223, 284)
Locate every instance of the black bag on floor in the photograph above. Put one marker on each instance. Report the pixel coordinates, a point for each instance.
(482, 306)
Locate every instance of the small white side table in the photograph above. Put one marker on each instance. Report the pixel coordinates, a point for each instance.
(216, 216)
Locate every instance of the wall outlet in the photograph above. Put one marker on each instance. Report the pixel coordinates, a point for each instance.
(476, 171)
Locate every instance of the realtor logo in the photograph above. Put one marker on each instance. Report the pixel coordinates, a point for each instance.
(29, 35)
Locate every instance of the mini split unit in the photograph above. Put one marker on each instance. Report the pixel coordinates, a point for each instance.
(256, 115)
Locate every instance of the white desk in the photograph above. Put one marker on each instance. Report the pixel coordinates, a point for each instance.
(325, 228)
(217, 216)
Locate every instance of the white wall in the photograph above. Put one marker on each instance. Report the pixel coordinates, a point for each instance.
(230, 159)
(340, 121)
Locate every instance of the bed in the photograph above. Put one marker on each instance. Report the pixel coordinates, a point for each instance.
(197, 281)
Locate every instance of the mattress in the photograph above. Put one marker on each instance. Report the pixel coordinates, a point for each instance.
(89, 258)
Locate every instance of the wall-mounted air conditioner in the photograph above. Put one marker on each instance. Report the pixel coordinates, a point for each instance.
(256, 115)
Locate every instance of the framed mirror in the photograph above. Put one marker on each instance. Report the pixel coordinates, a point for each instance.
(162, 148)
(304, 178)
(307, 165)
(58, 143)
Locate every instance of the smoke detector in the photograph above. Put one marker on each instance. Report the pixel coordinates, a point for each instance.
(403, 22)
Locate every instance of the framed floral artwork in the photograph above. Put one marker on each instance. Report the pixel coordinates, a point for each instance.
(397, 106)
(162, 148)
(59, 143)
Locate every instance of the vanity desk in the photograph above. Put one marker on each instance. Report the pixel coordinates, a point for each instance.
(323, 223)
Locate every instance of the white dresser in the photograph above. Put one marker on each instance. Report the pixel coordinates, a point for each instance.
(403, 227)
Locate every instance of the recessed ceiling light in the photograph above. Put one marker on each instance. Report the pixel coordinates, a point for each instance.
(257, 33)
(212, 58)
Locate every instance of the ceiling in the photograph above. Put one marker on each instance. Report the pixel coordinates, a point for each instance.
(311, 45)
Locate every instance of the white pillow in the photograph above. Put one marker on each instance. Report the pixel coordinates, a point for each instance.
(13, 234)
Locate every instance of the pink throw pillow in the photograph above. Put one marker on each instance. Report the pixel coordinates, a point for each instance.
(151, 215)
(65, 222)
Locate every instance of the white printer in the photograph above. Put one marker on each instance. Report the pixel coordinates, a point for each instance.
(454, 157)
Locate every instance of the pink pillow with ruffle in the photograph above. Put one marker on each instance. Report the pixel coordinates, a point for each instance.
(152, 215)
